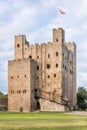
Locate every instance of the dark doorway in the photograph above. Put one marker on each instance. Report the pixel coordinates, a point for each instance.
(38, 106)
(21, 109)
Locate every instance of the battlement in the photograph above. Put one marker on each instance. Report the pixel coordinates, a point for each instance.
(72, 43)
(71, 46)
(23, 49)
(20, 60)
(58, 36)
(18, 36)
(57, 29)
(43, 44)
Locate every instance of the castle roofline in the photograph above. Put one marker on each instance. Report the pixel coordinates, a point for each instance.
(59, 28)
(20, 35)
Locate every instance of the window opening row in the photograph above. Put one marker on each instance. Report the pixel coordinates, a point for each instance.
(49, 54)
(48, 66)
(19, 76)
(18, 91)
(54, 76)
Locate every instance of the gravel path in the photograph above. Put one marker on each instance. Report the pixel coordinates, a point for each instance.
(78, 113)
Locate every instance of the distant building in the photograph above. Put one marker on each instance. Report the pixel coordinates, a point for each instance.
(3, 103)
(42, 76)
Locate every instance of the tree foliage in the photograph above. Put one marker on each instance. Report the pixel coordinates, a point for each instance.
(82, 98)
(3, 95)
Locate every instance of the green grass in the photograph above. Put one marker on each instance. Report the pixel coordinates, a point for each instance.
(42, 121)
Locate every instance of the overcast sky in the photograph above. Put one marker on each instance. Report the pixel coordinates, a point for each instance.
(35, 19)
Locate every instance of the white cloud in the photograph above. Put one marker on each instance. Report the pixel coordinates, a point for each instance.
(3, 8)
(36, 20)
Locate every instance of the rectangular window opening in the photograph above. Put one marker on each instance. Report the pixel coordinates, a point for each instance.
(48, 66)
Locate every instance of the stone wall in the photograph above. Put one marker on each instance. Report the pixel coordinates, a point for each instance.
(46, 105)
(20, 80)
(48, 67)
(72, 49)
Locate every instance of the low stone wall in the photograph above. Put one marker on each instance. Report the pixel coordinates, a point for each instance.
(47, 105)
(3, 103)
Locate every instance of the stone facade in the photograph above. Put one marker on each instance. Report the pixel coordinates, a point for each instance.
(42, 76)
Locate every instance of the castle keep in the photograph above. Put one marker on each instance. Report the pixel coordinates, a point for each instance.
(42, 76)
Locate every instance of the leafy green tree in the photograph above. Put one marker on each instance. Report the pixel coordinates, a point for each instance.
(3, 95)
(82, 98)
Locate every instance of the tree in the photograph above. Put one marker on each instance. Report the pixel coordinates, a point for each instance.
(82, 98)
(3, 95)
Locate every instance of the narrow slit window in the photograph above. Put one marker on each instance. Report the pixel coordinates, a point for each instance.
(37, 57)
(48, 76)
(54, 75)
(37, 67)
(48, 66)
(11, 77)
(56, 40)
(18, 91)
(56, 53)
(25, 76)
(70, 71)
(12, 91)
(70, 62)
(65, 67)
(18, 45)
(48, 55)
(24, 91)
(56, 65)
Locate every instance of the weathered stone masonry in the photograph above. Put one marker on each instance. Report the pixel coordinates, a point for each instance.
(42, 76)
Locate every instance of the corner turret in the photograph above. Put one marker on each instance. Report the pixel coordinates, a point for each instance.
(19, 46)
(58, 36)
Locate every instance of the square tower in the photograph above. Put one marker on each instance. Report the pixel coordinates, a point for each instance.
(21, 85)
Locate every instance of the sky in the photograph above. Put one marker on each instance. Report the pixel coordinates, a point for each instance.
(36, 19)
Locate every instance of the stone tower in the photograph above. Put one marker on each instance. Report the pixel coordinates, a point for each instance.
(42, 76)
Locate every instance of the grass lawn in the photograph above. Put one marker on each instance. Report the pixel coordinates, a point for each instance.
(42, 121)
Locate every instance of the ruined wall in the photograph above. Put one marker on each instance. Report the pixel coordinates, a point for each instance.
(47, 105)
(33, 102)
(67, 74)
(72, 71)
